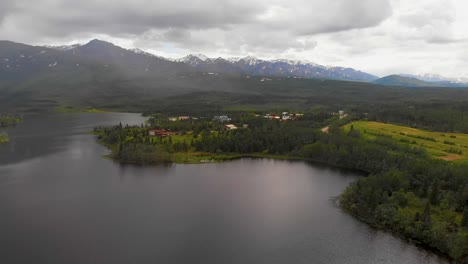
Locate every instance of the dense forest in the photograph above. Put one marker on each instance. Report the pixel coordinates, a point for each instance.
(439, 116)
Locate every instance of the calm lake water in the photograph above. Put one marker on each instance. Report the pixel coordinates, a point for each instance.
(61, 202)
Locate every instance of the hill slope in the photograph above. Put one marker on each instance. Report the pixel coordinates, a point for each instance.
(397, 80)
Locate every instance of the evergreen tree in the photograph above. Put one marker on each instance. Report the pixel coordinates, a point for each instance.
(417, 217)
(434, 194)
(427, 215)
(464, 222)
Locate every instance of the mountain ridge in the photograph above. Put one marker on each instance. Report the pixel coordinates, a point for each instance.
(138, 62)
(398, 80)
(277, 67)
(102, 75)
(248, 65)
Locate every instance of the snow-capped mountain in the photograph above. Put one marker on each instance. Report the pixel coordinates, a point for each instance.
(21, 62)
(142, 61)
(192, 59)
(279, 67)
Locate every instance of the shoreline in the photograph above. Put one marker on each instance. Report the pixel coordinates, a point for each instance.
(402, 236)
(224, 158)
(201, 158)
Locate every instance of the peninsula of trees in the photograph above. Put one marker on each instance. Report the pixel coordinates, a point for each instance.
(417, 180)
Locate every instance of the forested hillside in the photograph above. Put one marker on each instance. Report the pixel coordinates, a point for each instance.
(104, 76)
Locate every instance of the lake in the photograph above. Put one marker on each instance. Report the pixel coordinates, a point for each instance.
(62, 202)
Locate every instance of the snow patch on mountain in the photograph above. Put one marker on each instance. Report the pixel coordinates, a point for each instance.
(233, 59)
(64, 47)
(251, 60)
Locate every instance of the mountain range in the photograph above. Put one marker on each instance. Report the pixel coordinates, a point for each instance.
(100, 73)
(280, 67)
(135, 62)
(141, 60)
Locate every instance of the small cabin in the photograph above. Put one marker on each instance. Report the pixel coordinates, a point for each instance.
(230, 127)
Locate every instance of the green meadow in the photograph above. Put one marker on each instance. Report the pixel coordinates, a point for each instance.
(442, 145)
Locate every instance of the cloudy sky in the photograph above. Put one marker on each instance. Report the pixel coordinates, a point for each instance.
(378, 36)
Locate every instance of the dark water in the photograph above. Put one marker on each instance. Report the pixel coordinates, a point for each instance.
(61, 202)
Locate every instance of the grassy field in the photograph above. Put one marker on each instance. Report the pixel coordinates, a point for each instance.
(446, 146)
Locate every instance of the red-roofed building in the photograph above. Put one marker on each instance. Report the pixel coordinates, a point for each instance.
(161, 133)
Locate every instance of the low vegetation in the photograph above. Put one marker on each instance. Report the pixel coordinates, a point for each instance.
(9, 120)
(446, 146)
(4, 138)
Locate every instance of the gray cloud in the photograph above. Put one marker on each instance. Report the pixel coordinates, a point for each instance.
(6, 6)
(374, 35)
(341, 15)
(177, 35)
(240, 25)
(62, 18)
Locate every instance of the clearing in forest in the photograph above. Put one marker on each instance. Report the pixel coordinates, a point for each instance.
(442, 145)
